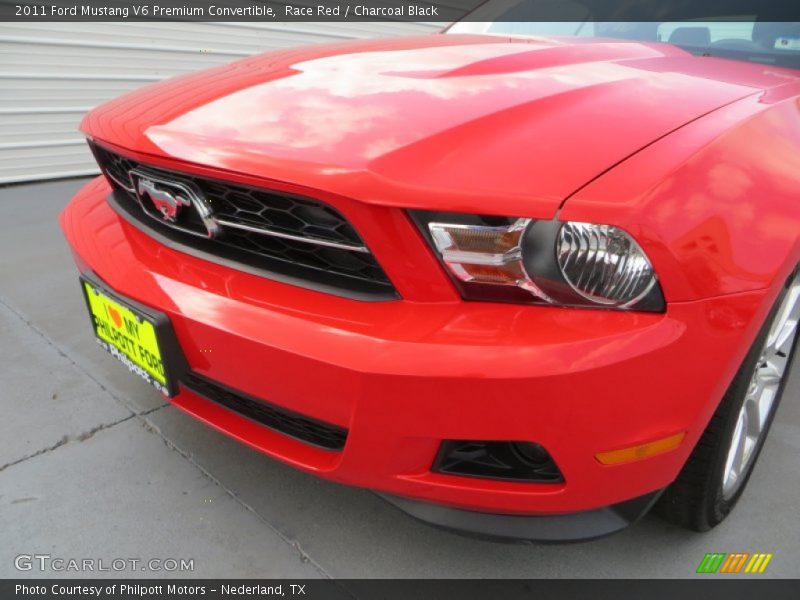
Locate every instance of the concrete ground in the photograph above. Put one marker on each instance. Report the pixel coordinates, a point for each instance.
(94, 464)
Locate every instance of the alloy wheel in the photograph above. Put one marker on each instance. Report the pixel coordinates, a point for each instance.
(764, 387)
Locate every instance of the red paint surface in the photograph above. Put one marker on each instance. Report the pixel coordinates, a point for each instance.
(698, 158)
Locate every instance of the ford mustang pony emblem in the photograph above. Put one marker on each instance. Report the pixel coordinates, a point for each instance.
(166, 203)
(166, 200)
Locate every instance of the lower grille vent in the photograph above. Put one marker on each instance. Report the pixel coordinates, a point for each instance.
(305, 429)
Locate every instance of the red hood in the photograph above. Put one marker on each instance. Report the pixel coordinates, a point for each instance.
(471, 121)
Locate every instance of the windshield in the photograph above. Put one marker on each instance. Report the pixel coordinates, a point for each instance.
(725, 33)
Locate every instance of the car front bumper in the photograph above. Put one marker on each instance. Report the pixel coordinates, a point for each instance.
(401, 376)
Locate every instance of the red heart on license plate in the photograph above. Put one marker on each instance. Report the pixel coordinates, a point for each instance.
(115, 316)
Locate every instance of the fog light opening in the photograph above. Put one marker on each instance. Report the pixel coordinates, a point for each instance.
(505, 460)
(531, 454)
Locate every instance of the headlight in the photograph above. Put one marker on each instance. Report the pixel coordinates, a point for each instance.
(525, 260)
(603, 264)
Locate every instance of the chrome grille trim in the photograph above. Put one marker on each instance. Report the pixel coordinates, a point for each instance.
(295, 238)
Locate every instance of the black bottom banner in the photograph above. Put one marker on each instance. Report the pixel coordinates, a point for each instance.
(484, 589)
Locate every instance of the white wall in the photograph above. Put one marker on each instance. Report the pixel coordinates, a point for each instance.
(52, 73)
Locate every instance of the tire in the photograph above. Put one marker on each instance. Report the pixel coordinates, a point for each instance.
(709, 486)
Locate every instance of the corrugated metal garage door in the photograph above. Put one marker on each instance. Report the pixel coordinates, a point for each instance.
(52, 73)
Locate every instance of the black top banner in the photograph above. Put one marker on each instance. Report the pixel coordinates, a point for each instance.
(581, 11)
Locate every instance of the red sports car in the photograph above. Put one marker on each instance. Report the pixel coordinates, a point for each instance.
(524, 280)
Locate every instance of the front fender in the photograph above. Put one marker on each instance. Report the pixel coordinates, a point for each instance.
(716, 204)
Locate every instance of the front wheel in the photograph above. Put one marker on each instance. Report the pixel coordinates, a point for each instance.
(717, 471)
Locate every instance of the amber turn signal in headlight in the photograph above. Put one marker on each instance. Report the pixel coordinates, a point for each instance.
(525, 260)
(484, 253)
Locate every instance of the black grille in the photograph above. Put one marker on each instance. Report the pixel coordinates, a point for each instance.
(115, 166)
(311, 431)
(258, 227)
(276, 212)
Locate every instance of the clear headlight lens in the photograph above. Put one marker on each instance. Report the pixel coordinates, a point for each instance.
(603, 264)
(561, 263)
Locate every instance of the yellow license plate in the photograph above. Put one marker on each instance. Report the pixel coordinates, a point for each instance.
(128, 335)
